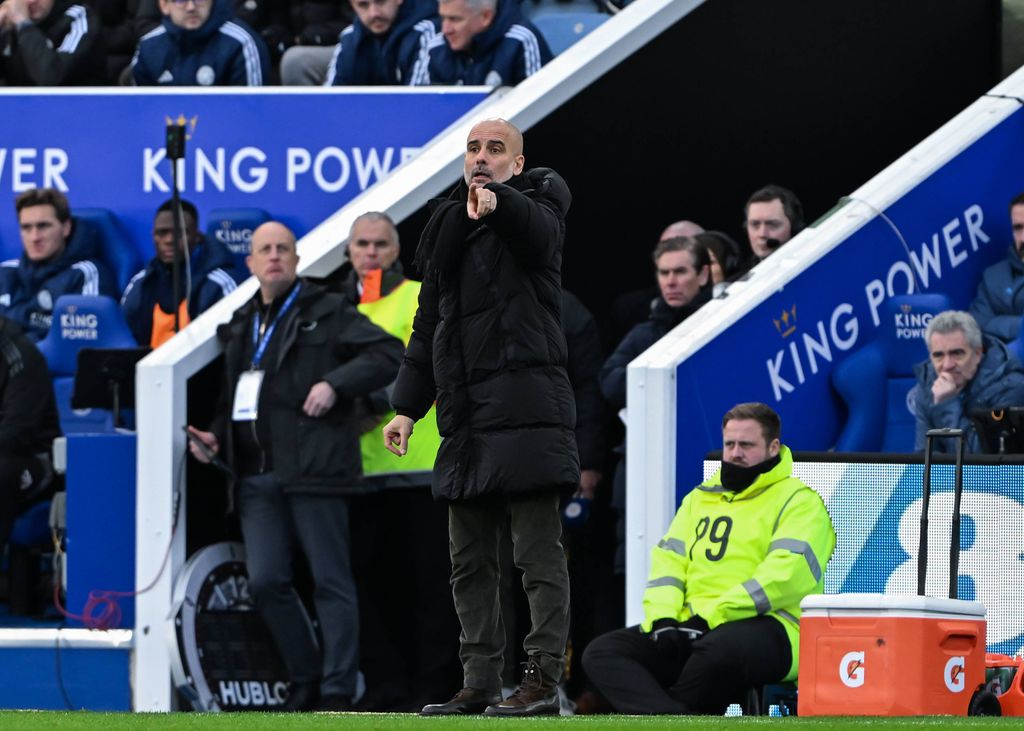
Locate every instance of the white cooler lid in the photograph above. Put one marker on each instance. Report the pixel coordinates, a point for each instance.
(885, 603)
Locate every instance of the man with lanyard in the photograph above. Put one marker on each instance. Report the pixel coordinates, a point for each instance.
(295, 359)
(722, 604)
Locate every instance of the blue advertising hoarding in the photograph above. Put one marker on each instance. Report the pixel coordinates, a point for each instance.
(953, 224)
(299, 156)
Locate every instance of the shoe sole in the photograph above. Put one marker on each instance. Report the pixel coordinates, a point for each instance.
(538, 709)
(438, 712)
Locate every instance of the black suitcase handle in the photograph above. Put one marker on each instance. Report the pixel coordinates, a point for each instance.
(926, 488)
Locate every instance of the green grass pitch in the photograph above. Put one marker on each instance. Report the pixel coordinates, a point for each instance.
(16, 720)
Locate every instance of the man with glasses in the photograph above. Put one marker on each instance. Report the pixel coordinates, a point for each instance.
(200, 43)
(966, 372)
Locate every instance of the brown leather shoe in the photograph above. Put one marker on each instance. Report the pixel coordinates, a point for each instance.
(467, 701)
(535, 696)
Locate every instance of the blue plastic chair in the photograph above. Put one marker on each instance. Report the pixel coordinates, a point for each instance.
(875, 381)
(233, 228)
(82, 321)
(561, 30)
(117, 249)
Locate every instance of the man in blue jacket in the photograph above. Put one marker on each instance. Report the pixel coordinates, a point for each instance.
(965, 373)
(382, 45)
(999, 303)
(148, 301)
(61, 256)
(200, 43)
(482, 42)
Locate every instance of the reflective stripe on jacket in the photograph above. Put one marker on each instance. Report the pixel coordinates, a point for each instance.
(729, 556)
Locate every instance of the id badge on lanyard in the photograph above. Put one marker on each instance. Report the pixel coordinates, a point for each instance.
(247, 390)
(247, 396)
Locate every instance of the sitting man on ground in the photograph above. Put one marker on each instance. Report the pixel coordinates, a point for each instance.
(999, 303)
(481, 42)
(722, 605)
(149, 302)
(200, 43)
(51, 43)
(61, 256)
(966, 372)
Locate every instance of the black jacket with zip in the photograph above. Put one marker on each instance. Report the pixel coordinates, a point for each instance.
(321, 337)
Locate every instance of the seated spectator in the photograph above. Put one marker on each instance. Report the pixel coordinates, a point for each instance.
(722, 604)
(773, 215)
(725, 258)
(61, 256)
(966, 372)
(382, 44)
(482, 42)
(999, 303)
(50, 43)
(684, 277)
(28, 424)
(200, 43)
(633, 307)
(307, 26)
(148, 301)
(117, 27)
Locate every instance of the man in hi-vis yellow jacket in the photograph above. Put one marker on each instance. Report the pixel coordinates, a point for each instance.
(722, 605)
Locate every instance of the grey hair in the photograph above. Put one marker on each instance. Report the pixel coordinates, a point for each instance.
(952, 320)
(478, 5)
(376, 216)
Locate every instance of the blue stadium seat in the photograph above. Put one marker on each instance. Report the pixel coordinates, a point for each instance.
(119, 252)
(561, 30)
(875, 381)
(233, 228)
(81, 321)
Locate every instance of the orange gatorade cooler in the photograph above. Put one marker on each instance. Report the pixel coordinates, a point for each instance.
(881, 655)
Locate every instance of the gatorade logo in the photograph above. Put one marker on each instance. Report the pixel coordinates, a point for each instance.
(851, 670)
(954, 674)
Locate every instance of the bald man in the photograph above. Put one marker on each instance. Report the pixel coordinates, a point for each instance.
(679, 229)
(295, 359)
(487, 345)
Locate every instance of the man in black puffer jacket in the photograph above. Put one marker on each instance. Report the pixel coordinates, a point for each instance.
(487, 344)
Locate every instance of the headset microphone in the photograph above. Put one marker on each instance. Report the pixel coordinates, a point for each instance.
(772, 244)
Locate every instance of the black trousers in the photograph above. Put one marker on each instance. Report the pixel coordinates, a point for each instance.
(273, 524)
(475, 529)
(639, 675)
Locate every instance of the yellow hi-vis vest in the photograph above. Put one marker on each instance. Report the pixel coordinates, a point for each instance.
(394, 313)
(730, 556)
